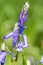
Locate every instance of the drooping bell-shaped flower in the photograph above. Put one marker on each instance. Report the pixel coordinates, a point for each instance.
(13, 35)
(19, 46)
(2, 54)
(22, 44)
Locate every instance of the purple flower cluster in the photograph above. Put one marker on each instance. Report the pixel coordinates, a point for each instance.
(14, 35)
(18, 31)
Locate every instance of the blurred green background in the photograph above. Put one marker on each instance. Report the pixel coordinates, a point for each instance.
(9, 12)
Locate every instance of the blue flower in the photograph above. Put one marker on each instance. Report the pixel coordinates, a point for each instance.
(14, 36)
(24, 14)
(2, 56)
(22, 20)
(21, 44)
(41, 61)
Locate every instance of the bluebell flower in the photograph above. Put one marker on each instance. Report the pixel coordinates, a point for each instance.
(41, 61)
(24, 14)
(22, 44)
(19, 27)
(3, 54)
(21, 20)
(2, 63)
(14, 36)
(2, 57)
(19, 47)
